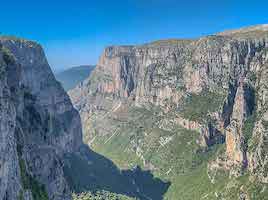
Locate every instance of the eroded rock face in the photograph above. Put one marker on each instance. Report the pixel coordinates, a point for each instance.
(244, 105)
(154, 72)
(9, 167)
(164, 72)
(258, 157)
(38, 125)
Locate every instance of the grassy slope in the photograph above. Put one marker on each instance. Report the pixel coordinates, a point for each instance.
(180, 160)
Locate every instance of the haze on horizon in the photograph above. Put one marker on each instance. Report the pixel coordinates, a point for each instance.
(76, 32)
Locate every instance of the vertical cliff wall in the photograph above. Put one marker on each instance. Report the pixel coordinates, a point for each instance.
(215, 85)
(38, 125)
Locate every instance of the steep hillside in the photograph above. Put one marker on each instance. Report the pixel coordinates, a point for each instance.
(69, 78)
(42, 156)
(38, 125)
(194, 112)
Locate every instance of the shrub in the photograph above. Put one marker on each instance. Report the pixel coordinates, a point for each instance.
(196, 107)
(30, 183)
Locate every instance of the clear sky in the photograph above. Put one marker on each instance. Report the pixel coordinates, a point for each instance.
(75, 32)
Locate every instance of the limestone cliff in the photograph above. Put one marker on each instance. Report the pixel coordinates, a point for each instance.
(38, 125)
(228, 70)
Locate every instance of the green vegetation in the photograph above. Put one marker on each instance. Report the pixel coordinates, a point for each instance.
(8, 56)
(30, 183)
(194, 185)
(101, 195)
(248, 129)
(171, 152)
(243, 186)
(97, 174)
(252, 76)
(20, 197)
(196, 107)
(102, 175)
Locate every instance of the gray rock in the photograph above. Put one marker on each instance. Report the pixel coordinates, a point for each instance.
(38, 124)
(162, 73)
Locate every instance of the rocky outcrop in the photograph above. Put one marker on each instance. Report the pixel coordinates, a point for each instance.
(258, 143)
(38, 125)
(209, 133)
(163, 73)
(244, 104)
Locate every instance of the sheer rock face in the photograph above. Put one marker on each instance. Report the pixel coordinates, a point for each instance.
(10, 183)
(243, 107)
(258, 156)
(163, 72)
(38, 123)
(159, 71)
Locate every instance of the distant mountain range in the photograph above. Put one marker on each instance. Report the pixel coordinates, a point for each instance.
(69, 78)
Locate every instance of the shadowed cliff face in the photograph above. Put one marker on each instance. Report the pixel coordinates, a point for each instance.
(38, 125)
(214, 86)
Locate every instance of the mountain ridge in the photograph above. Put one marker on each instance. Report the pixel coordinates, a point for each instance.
(173, 41)
(154, 94)
(70, 77)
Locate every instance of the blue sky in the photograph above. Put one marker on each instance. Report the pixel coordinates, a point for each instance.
(75, 32)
